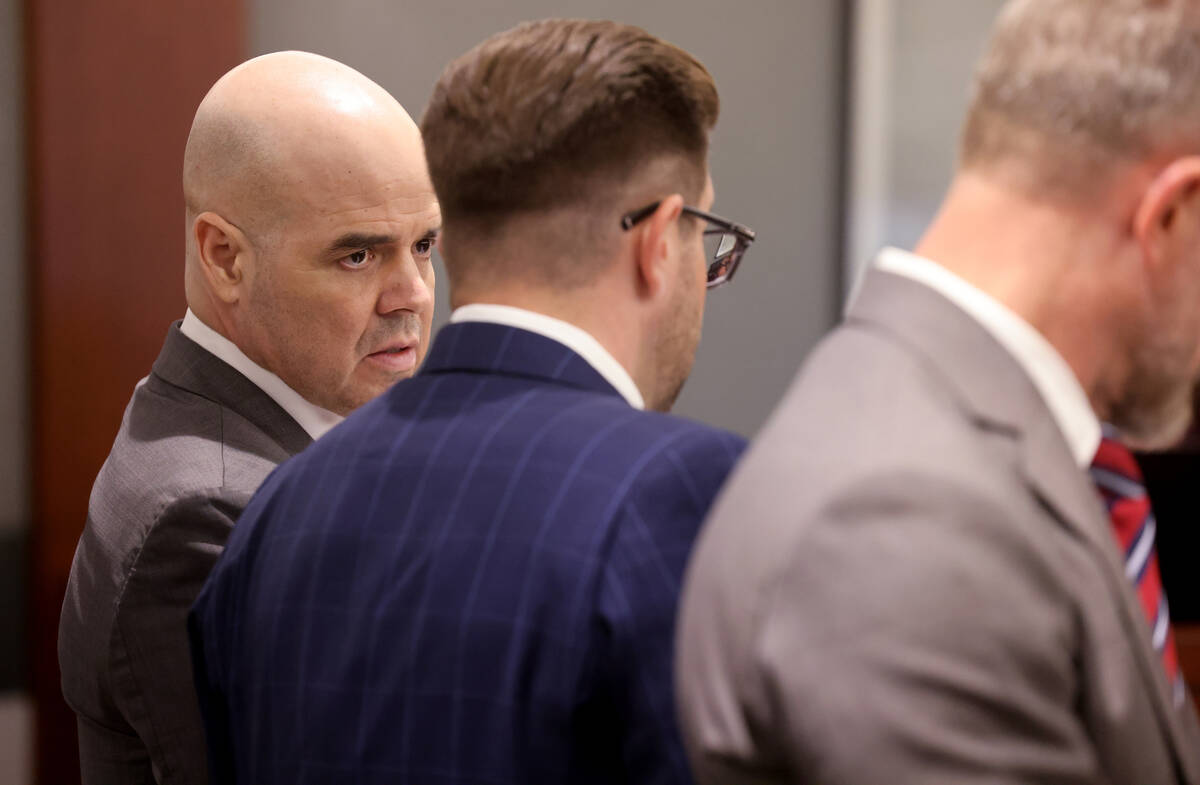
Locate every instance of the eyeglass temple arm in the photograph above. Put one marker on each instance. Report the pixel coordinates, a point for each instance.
(744, 232)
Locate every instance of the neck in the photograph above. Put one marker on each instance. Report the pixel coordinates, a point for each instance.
(207, 307)
(1046, 262)
(213, 318)
(597, 311)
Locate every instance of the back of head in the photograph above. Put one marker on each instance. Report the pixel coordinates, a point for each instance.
(1069, 90)
(1088, 113)
(555, 121)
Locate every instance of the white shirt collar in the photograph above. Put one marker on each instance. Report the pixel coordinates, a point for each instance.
(312, 418)
(1053, 378)
(574, 338)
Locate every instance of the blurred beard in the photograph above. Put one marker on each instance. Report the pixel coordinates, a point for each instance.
(675, 346)
(1156, 410)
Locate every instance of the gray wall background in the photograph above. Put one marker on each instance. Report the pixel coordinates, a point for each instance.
(929, 99)
(775, 154)
(912, 71)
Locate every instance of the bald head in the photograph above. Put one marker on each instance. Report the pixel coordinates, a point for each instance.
(310, 219)
(276, 127)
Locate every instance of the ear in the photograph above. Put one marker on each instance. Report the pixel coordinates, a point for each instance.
(224, 252)
(1167, 213)
(656, 238)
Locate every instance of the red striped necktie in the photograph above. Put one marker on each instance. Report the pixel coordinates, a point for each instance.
(1119, 481)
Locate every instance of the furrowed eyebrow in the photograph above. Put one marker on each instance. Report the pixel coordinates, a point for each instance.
(356, 240)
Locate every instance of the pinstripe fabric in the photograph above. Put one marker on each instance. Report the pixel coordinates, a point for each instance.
(471, 580)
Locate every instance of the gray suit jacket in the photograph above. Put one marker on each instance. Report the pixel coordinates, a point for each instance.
(909, 580)
(196, 441)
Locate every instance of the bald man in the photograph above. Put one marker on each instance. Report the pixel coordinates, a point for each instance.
(310, 224)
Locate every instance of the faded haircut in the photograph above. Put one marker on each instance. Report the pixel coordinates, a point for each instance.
(559, 115)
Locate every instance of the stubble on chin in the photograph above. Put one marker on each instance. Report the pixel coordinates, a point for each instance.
(1156, 410)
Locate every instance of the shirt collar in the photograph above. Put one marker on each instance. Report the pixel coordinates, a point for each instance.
(312, 418)
(1049, 372)
(574, 338)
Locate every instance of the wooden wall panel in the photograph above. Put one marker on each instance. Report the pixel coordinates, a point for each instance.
(111, 89)
(1187, 639)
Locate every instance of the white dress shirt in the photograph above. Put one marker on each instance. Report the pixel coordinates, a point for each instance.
(574, 338)
(312, 418)
(1053, 378)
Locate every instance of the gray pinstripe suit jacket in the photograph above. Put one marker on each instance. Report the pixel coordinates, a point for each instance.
(908, 580)
(196, 441)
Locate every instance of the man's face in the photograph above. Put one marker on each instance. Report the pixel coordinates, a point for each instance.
(679, 334)
(341, 296)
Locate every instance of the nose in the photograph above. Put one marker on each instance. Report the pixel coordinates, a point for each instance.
(407, 286)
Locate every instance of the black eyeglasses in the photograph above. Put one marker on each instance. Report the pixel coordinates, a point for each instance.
(725, 242)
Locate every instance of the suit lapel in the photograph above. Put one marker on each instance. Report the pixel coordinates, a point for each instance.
(1074, 500)
(483, 347)
(997, 394)
(187, 365)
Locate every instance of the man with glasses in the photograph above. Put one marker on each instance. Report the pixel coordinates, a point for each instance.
(475, 578)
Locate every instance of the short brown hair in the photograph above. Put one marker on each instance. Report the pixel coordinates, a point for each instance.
(1068, 88)
(560, 113)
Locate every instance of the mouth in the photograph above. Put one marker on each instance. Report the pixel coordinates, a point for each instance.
(395, 358)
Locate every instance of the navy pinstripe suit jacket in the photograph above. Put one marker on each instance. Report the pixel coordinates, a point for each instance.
(473, 579)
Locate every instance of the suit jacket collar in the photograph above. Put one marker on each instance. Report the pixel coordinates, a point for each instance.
(484, 347)
(185, 364)
(994, 390)
(989, 381)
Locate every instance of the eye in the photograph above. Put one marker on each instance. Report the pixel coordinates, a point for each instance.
(357, 260)
(424, 247)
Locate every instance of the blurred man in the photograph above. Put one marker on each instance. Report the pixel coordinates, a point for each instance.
(310, 223)
(474, 578)
(910, 579)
